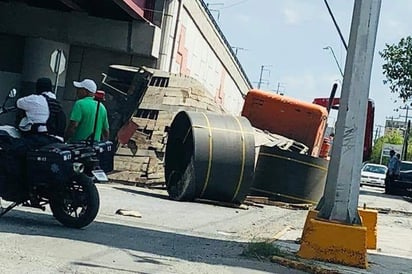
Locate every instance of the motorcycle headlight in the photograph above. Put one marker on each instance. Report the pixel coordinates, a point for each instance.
(78, 168)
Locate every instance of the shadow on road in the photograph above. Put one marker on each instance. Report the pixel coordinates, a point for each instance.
(378, 192)
(160, 243)
(145, 193)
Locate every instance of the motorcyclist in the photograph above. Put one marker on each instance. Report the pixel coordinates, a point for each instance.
(37, 113)
(33, 127)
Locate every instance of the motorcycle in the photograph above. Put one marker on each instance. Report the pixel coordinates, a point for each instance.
(60, 175)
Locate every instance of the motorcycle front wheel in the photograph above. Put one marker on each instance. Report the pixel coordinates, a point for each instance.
(79, 203)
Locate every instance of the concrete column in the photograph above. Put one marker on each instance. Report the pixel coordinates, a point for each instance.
(342, 184)
(171, 11)
(36, 63)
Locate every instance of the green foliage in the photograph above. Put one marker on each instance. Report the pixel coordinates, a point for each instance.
(393, 137)
(261, 250)
(409, 154)
(398, 67)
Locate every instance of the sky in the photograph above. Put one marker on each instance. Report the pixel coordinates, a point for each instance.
(288, 38)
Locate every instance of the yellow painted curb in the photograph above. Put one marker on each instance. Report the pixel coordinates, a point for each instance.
(370, 220)
(335, 243)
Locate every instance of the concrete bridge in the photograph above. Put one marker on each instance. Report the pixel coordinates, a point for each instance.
(175, 36)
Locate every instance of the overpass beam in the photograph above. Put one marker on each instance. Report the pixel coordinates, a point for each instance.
(72, 4)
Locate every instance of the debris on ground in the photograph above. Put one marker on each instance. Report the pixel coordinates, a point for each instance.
(225, 204)
(130, 213)
(267, 201)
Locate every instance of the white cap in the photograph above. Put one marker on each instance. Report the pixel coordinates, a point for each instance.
(88, 84)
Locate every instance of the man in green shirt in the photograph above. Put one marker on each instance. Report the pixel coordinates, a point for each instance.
(83, 114)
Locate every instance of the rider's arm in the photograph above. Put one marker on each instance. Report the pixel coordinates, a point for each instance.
(105, 134)
(26, 103)
(75, 118)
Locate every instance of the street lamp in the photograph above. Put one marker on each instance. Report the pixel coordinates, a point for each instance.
(334, 57)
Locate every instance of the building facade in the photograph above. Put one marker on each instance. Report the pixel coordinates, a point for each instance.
(177, 36)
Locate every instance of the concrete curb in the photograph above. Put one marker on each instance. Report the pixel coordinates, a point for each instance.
(300, 265)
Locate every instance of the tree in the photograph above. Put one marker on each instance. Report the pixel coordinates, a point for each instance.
(393, 137)
(398, 67)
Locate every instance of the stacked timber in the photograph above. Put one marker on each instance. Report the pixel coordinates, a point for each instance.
(160, 104)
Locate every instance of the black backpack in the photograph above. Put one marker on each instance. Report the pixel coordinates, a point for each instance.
(56, 124)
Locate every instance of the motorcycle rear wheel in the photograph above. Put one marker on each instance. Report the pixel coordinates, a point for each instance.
(79, 204)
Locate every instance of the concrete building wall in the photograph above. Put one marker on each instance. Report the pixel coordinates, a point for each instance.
(85, 62)
(8, 80)
(36, 63)
(200, 52)
(138, 37)
(11, 63)
(29, 35)
(11, 53)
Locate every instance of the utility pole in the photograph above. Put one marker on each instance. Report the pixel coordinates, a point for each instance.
(337, 212)
(342, 191)
(405, 132)
(280, 85)
(378, 132)
(216, 10)
(237, 49)
(263, 68)
(406, 139)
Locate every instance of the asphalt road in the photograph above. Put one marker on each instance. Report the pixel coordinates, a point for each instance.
(176, 237)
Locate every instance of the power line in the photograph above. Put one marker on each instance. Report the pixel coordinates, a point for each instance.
(237, 49)
(336, 24)
(235, 4)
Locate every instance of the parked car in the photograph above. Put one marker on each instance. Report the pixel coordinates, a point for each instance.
(373, 175)
(402, 185)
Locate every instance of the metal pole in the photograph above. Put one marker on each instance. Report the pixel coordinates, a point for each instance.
(332, 96)
(336, 60)
(260, 78)
(341, 197)
(404, 134)
(57, 70)
(407, 140)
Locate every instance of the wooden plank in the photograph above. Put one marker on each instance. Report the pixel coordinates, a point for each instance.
(125, 151)
(267, 201)
(225, 204)
(279, 234)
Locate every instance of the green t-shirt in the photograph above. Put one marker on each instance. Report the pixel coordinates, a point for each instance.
(84, 112)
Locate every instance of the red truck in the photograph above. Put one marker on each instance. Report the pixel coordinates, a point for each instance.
(367, 146)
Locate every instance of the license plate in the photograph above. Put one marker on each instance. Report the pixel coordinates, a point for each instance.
(100, 175)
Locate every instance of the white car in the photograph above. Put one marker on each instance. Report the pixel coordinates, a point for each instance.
(373, 175)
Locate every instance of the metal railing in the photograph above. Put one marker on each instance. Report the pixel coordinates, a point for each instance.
(225, 41)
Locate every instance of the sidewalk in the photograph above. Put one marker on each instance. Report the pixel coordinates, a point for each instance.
(280, 225)
(394, 252)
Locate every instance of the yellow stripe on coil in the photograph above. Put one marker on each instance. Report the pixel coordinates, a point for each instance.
(294, 160)
(210, 155)
(223, 129)
(243, 158)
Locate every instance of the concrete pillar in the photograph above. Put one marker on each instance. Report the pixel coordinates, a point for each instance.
(36, 63)
(342, 184)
